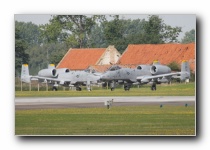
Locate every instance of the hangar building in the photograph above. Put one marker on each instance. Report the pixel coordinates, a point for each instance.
(83, 58)
(164, 53)
(100, 59)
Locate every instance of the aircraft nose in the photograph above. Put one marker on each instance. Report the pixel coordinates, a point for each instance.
(103, 76)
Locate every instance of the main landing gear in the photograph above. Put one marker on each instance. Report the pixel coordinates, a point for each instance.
(54, 88)
(127, 87)
(89, 88)
(112, 85)
(78, 88)
(153, 87)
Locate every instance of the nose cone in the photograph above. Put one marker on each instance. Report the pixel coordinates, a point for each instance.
(104, 76)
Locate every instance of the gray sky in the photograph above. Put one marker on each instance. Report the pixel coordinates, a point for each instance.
(186, 21)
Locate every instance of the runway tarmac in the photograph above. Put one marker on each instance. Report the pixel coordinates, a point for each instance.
(84, 102)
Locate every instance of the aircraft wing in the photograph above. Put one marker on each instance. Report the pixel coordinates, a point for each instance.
(45, 78)
(50, 80)
(146, 79)
(58, 81)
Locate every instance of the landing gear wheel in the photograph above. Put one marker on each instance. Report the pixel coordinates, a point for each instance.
(126, 88)
(54, 88)
(153, 87)
(112, 89)
(78, 89)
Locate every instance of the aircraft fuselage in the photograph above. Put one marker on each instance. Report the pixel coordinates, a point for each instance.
(124, 74)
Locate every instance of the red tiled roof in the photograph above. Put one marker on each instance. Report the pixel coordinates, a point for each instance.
(164, 53)
(79, 59)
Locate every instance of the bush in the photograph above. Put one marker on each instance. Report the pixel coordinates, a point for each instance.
(174, 66)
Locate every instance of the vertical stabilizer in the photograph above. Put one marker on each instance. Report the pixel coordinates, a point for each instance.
(156, 62)
(185, 70)
(51, 66)
(25, 77)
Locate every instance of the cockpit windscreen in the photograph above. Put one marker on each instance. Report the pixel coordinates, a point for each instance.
(113, 68)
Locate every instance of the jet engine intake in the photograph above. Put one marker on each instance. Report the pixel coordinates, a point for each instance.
(143, 67)
(159, 69)
(47, 73)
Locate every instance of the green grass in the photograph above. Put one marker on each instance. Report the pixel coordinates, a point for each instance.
(162, 90)
(121, 120)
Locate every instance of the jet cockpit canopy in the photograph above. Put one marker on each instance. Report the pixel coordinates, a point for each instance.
(113, 68)
(90, 70)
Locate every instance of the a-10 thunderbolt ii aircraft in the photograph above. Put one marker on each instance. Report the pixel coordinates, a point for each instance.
(62, 76)
(143, 74)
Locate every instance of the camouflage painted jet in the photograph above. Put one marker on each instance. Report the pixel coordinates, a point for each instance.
(143, 74)
(63, 76)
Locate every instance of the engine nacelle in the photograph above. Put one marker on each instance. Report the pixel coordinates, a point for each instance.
(62, 70)
(47, 73)
(159, 69)
(143, 67)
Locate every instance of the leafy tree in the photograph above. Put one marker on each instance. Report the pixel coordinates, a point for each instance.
(114, 32)
(21, 56)
(42, 55)
(134, 32)
(121, 32)
(52, 32)
(170, 34)
(153, 29)
(113, 29)
(28, 32)
(97, 38)
(57, 52)
(77, 28)
(157, 32)
(189, 37)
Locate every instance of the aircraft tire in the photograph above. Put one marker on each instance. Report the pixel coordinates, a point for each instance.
(153, 87)
(112, 89)
(78, 89)
(54, 88)
(126, 88)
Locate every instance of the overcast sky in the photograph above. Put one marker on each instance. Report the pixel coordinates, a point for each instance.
(187, 22)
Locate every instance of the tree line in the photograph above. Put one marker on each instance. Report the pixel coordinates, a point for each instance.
(40, 45)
